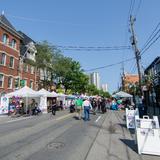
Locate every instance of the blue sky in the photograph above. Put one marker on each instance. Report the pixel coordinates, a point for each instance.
(88, 23)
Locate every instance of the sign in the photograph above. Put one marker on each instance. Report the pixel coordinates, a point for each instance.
(146, 122)
(147, 135)
(148, 141)
(130, 117)
(4, 102)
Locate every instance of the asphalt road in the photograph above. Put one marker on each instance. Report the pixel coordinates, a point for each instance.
(48, 138)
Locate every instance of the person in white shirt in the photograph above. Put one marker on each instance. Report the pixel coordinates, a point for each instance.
(87, 106)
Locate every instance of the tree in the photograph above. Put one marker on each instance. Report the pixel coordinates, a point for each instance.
(44, 60)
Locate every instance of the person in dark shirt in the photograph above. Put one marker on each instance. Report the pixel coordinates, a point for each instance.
(54, 107)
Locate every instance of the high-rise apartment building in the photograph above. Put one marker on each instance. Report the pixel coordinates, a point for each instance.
(105, 87)
(95, 79)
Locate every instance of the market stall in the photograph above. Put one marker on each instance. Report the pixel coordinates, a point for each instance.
(26, 93)
(44, 94)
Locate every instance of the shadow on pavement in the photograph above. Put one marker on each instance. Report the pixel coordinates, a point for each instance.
(122, 125)
(130, 143)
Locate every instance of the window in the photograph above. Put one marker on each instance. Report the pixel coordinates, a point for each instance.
(10, 79)
(13, 43)
(31, 84)
(5, 39)
(1, 80)
(11, 62)
(3, 59)
(16, 83)
(25, 68)
(32, 70)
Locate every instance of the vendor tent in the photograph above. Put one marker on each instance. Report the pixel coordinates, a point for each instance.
(61, 95)
(24, 92)
(122, 95)
(43, 99)
(46, 93)
(54, 93)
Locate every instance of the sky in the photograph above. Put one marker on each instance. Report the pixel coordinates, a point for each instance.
(89, 23)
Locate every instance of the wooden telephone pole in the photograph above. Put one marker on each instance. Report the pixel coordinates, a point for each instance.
(136, 51)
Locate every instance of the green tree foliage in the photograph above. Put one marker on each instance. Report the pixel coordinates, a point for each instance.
(65, 71)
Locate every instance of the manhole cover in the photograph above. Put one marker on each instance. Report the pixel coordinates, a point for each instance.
(55, 145)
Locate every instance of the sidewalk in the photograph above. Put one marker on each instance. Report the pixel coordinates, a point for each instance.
(115, 141)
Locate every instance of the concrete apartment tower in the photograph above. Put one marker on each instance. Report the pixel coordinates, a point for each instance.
(95, 79)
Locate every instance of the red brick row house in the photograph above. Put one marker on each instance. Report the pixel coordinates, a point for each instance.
(15, 49)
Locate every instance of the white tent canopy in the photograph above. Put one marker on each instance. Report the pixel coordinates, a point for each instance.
(61, 95)
(54, 93)
(122, 95)
(24, 92)
(46, 93)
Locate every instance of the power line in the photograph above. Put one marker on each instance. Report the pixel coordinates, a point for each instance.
(150, 45)
(132, 7)
(110, 65)
(138, 8)
(46, 21)
(104, 48)
(151, 37)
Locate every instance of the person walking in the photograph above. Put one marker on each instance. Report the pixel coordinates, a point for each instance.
(87, 106)
(54, 107)
(78, 105)
(103, 105)
(94, 105)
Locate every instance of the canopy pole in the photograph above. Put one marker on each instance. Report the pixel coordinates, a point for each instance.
(26, 104)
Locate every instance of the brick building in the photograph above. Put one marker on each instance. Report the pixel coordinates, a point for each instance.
(128, 80)
(29, 74)
(15, 48)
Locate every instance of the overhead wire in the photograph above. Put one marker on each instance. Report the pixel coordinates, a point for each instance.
(149, 45)
(151, 37)
(138, 8)
(100, 48)
(46, 21)
(110, 65)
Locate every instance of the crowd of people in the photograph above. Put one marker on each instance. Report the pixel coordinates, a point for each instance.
(84, 106)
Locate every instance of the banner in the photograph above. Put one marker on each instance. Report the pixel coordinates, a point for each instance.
(4, 102)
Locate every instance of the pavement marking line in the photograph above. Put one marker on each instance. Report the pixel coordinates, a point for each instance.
(64, 117)
(19, 119)
(99, 117)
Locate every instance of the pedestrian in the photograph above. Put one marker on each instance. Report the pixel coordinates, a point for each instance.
(72, 106)
(103, 105)
(78, 105)
(94, 105)
(32, 107)
(54, 107)
(87, 107)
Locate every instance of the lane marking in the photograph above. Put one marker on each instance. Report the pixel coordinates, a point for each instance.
(19, 119)
(98, 118)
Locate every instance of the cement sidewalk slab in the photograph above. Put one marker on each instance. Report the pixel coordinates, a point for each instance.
(115, 141)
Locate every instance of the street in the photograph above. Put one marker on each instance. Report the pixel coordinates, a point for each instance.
(46, 137)
(62, 137)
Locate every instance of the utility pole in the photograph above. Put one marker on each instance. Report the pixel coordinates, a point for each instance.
(122, 78)
(136, 51)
